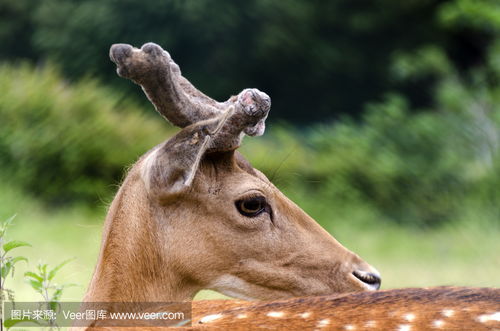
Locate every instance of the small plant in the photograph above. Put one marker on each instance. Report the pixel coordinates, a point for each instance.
(8, 261)
(41, 280)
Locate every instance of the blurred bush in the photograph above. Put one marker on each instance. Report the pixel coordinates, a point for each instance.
(71, 142)
(65, 142)
(328, 55)
(421, 79)
(413, 169)
(422, 168)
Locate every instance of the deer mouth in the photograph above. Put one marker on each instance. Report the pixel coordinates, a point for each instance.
(371, 280)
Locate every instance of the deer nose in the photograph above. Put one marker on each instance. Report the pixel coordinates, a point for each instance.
(371, 279)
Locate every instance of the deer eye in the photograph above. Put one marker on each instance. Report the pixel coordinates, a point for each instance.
(253, 206)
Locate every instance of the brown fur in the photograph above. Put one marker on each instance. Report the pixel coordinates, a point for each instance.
(415, 309)
(169, 249)
(412, 309)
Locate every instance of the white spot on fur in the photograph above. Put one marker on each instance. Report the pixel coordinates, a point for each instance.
(275, 314)
(489, 317)
(241, 316)
(306, 314)
(448, 312)
(349, 327)
(404, 327)
(370, 324)
(409, 317)
(437, 324)
(210, 318)
(323, 323)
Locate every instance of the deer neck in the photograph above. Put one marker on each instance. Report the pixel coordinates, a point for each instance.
(134, 264)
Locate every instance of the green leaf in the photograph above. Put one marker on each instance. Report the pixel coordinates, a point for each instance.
(54, 305)
(37, 286)
(11, 322)
(53, 272)
(43, 269)
(7, 223)
(9, 265)
(19, 258)
(5, 269)
(33, 275)
(57, 294)
(14, 244)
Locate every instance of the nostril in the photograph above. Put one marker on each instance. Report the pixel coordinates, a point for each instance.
(368, 278)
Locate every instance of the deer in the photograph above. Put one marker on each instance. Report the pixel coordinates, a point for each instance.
(192, 214)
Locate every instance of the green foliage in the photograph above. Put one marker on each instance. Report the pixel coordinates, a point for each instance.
(70, 142)
(421, 169)
(8, 262)
(481, 14)
(41, 281)
(420, 76)
(16, 29)
(66, 142)
(329, 57)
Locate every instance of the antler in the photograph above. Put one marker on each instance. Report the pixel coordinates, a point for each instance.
(208, 125)
(173, 96)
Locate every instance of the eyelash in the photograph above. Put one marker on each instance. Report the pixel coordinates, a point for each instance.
(261, 206)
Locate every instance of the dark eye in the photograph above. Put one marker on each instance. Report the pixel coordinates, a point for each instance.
(252, 207)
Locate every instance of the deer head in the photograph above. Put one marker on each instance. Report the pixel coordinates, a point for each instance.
(193, 214)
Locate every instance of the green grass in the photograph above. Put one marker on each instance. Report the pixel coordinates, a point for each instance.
(55, 236)
(465, 253)
(461, 255)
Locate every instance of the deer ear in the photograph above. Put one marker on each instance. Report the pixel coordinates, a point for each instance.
(170, 168)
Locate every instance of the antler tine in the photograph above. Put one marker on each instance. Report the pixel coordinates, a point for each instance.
(174, 97)
(246, 115)
(160, 77)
